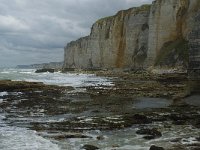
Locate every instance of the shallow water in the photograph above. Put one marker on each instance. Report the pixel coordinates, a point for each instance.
(18, 138)
(15, 133)
(144, 102)
(15, 138)
(193, 100)
(57, 78)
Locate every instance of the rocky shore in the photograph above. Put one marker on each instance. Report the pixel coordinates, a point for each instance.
(153, 106)
(143, 84)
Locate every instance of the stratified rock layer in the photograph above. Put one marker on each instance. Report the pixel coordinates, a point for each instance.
(194, 49)
(137, 38)
(114, 42)
(194, 56)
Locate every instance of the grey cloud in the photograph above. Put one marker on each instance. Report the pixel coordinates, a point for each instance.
(36, 31)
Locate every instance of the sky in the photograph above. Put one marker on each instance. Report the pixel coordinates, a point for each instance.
(35, 31)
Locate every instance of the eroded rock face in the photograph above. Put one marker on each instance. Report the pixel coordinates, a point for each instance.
(194, 55)
(119, 41)
(134, 38)
(165, 24)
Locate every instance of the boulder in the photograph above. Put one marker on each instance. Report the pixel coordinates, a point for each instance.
(150, 133)
(89, 147)
(45, 70)
(153, 147)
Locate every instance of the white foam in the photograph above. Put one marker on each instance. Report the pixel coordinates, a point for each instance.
(57, 78)
(3, 93)
(5, 72)
(190, 140)
(14, 138)
(74, 80)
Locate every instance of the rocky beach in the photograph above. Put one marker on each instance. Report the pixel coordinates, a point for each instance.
(132, 84)
(136, 111)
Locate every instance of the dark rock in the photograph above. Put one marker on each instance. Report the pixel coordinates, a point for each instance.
(167, 126)
(151, 133)
(70, 136)
(115, 146)
(176, 140)
(141, 119)
(198, 138)
(89, 147)
(44, 70)
(178, 147)
(93, 69)
(197, 123)
(68, 69)
(179, 122)
(149, 137)
(179, 119)
(100, 137)
(136, 119)
(153, 147)
(176, 117)
(194, 146)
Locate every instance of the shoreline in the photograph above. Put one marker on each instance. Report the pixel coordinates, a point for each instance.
(175, 84)
(135, 102)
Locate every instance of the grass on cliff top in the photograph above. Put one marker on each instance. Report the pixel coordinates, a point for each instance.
(103, 19)
(143, 7)
(178, 47)
(137, 10)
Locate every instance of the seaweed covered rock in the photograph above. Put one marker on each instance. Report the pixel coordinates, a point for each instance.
(45, 70)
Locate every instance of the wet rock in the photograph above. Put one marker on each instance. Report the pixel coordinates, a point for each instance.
(149, 137)
(136, 119)
(195, 146)
(115, 146)
(198, 139)
(167, 126)
(176, 117)
(44, 70)
(89, 147)
(176, 140)
(70, 136)
(177, 147)
(179, 119)
(159, 118)
(101, 137)
(141, 119)
(52, 100)
(153, 147)
(179, 122)
(197, 123)
(68, 70)
(151, 133)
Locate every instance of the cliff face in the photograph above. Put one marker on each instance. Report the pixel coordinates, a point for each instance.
(169, 25)
(114, 42)
(137, 38)
(194, 49)
(194, 57)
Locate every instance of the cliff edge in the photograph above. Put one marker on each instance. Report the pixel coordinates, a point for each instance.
(150, 35)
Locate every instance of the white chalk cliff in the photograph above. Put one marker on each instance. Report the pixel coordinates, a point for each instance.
(140, 37)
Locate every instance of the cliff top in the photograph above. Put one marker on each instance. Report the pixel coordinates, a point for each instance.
(135, 10)
(77, 41)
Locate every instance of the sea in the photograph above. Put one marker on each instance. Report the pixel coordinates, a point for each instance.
(22, 138)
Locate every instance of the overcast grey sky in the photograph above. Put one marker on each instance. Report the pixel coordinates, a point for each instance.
(35, 31)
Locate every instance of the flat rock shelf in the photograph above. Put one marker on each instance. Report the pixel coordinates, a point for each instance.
(130, 114)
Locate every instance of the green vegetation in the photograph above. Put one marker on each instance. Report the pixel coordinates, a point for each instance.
(137, 10)
(103, 19)
(143, 8)
(172, 52)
